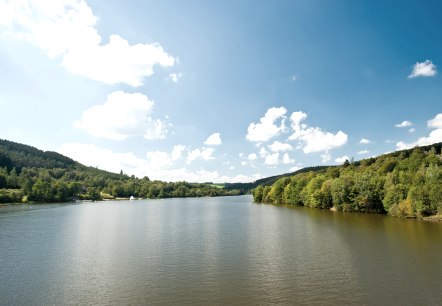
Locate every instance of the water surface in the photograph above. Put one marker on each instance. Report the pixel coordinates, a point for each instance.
(214, 251)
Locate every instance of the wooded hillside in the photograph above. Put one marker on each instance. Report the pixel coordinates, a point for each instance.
(405, 183)
(29, 174)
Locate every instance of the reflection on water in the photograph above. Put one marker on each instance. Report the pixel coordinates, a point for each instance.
(215, 251)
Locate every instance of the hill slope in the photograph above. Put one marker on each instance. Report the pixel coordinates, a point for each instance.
(30, 174)
(18, 155)
(405, 183)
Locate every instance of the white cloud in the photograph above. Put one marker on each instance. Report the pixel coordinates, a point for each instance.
(268, 126)
(214, 140)
(90, 155)
(313, 138)
(240, 178)
(342, 159)
(232, 167)
(123, 115)
(156, 166)
(412, 130)
(293, 77)
(272, 159)
(67, 28)
(174, 77)
(294, 168)
(280, 147)
(243, 163)
(158, 160)
(436, 122)
(241, 155)
(365, 141)
(404, 124)
(252, 156)
(263, 152)
(433, 137)
(200, 176)
(363, 152)
(203, 153)
(325, 158)
(424, 69)
(156, 129)
(177, 152)
(287, 160)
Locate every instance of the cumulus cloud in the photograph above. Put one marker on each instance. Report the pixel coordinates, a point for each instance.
(424, 69)
(294, 168)
(436, 122)
(433, 137)
(91, 155)
(272, 159)
(67, 28)
(203, 153)
(404, 124)
(280, 147)
(365, 141)
(342, 159)
(177, 152)
(157, 165)
(263, 152)
(363, 152)
(201, 176)
(314, 139)
(269, 126)
(287, 160)
(252, 156)
(158, 159)
(123, 115)
(163, 160)
(174, 76)
(243, 163)
(325, 158)
(214, 140)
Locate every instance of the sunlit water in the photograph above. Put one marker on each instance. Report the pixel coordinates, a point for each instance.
(214, 251)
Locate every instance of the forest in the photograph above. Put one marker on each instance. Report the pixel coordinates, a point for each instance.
(405, 183)
(31, 175)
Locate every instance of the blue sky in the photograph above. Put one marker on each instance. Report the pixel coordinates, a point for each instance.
(220, 91)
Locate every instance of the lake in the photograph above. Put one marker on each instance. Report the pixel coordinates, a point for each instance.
(218, 251)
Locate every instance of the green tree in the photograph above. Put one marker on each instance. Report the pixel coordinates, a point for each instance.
(258, 194)
(41, 191)
(12, 179)
(93, 193)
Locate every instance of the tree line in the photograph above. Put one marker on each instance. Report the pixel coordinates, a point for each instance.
(62, 185)
(31, 175)
(405, 184)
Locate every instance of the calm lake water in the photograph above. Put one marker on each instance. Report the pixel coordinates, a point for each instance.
(214, 251)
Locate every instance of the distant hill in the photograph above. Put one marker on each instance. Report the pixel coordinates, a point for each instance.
(267, 181)
(30, 174)
(406, 183)
(13, 154)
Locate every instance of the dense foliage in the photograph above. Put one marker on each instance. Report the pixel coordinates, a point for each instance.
(29, 174)
(406, 183)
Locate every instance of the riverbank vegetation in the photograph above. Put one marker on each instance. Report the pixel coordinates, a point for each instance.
(31, 175)
(406, 183)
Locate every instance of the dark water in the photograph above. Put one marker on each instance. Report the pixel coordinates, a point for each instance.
(214, 251)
